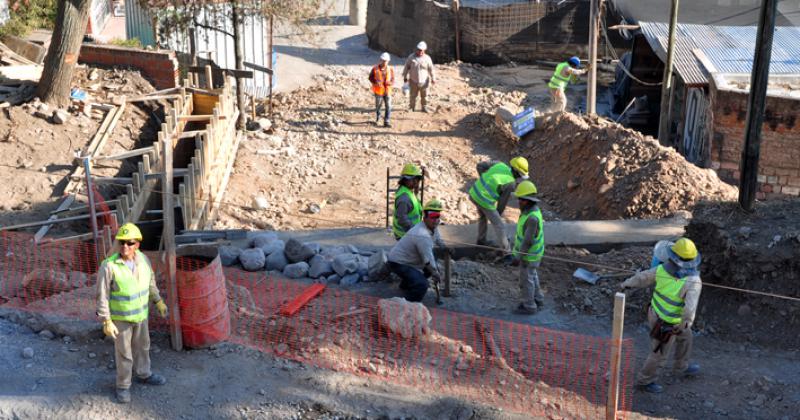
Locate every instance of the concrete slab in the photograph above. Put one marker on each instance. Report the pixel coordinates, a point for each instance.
(594, 235)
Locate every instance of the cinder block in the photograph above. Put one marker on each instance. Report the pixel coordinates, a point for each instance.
(772, 179)
(761, 178)
(790, 190)
(766, 188)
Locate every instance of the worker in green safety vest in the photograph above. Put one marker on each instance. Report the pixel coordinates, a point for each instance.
(126, 285)
(490, 193)
(566, 72)
(407, 209)
(672, 311)
(529, 248)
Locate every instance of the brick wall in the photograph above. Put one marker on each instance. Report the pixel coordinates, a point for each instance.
(779, 164)
(159, 67)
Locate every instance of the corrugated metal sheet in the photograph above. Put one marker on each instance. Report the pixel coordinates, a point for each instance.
(728, 48)
(138, 24)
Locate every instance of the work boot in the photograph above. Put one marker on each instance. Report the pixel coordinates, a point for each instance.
(521, 309)
(653, 388)
(692, 370)
(387, 124)
(378, 120)
(540, 304)
(123, 396)
(424, 109)
(153, 379)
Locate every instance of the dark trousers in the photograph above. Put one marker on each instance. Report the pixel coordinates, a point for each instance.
(413, 282)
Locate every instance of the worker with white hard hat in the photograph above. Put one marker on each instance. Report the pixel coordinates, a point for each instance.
(382, 78)
(419, 74)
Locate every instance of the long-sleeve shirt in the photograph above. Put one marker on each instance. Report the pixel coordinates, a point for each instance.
(418, 69)
(105, 284)
(403, 206)
(415, 249)
(690, 292)
(505, 190)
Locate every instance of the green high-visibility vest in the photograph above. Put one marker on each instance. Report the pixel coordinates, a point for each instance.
(536, 251)
(414, 215)
(558, 81)
(130, 302)
(666, 302)
(484, 190)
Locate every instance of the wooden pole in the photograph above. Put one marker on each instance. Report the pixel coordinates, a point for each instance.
(87, 167)
(616, 356)
(666, 83)
(271, 53)
(387, 198)
(591, 88)
(209, 78)
(456, 9)
(168, 238)
(448, 271)
(193, 52)
(238, 52)
(756, 105)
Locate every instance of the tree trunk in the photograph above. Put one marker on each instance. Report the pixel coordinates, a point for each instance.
(62, 56)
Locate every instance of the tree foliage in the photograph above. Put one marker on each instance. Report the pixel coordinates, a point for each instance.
(26, 15)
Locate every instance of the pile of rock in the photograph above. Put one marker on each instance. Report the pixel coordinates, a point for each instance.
(341, 264)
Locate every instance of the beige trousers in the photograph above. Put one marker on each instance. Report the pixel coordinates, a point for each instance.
(532, 295)
(485, 216)
(422, 91)
(682, 345)
(558, 100)
(131, 351)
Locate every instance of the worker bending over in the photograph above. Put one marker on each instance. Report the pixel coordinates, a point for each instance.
(672, 311)
(529, 248)
(566, 72)
(126, 285)
(490, 193)
(407, 209)
(412, 257)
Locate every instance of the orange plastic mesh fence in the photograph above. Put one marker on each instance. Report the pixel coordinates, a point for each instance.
(518, 367)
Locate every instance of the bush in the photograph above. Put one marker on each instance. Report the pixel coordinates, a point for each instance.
(25, 16)
(130, 43)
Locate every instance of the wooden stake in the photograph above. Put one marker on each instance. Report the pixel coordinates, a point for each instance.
(616, 356)
(168, 237)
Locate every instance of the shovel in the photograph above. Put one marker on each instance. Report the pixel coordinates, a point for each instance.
(592, 278)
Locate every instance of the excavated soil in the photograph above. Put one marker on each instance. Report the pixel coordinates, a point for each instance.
(756, 251)
(590, 168)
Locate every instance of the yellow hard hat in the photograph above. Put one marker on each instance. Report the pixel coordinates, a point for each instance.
(685, 249)
(127, 232)
(433, 205)
(525, 188)
(520, 164)
(411, 170)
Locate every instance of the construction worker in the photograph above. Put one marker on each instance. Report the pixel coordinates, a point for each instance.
(672, 311)
(382, 78)
(412, 257)
(419, 74)
(490, 193)
(566, 72)
(126, 285)
(407, 209)
(529, 248)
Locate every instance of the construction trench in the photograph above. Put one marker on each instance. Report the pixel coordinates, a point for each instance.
(317, 297)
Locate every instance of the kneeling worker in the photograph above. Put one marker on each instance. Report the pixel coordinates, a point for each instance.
(412, 257)
(529, 248)
(126, 285)
(672, 310)
(407, 209)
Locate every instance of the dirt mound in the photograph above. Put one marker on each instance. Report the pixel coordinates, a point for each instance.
(751, 251)
(589, 168)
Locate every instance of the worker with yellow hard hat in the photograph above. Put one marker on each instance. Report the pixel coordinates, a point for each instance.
(407, 209)
(672, 310)
(528, 248)
(412, 257)
(126, 285)
(490, 194)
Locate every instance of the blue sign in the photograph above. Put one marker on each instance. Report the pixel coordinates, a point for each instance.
(523, 123)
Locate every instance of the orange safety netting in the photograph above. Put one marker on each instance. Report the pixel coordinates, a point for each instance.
(518, 367)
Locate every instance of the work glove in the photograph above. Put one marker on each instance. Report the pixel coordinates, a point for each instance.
(110, 329)
(162, 308)
(622, 288)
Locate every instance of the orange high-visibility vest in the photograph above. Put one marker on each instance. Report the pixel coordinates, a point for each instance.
(379, 85)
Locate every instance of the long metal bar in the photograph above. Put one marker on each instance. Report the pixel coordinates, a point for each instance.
(756, 105)
(87, 167)
(591, 88)
(666, 85)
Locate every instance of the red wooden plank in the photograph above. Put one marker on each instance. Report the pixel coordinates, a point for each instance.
(294, 306)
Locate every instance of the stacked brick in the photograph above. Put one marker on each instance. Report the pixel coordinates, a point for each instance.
(159, 67)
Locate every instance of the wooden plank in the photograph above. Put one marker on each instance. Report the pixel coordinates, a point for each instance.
(218, 188)
(50, 222)
(168, 236)
(145, 98)
(257, 67)
(293, 306)
(612, 401)
(74, 184)
(245, 74)
(189, 118)
(65, 203)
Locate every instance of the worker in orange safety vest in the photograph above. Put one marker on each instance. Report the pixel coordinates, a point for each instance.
(382, 78)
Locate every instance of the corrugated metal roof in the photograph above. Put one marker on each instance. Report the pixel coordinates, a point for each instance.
(729, 49)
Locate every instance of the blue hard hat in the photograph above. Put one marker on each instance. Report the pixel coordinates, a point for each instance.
(574, 61)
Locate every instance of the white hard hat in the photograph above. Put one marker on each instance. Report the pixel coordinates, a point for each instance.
(386, 57)
(422, 46)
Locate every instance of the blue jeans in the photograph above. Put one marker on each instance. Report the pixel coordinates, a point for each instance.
(387, 101)
(413, 282)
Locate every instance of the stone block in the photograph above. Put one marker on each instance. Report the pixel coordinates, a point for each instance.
(349, 279)
(407, 319)
(344, 264)
(229, 255)
(297, 251)
(319, 266)
(262, 239)
(276, 261)
(296, 270)
(252, 259)
(377, 266)
(273, 247)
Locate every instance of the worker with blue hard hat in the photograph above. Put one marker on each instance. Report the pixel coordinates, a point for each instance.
(566, 72)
